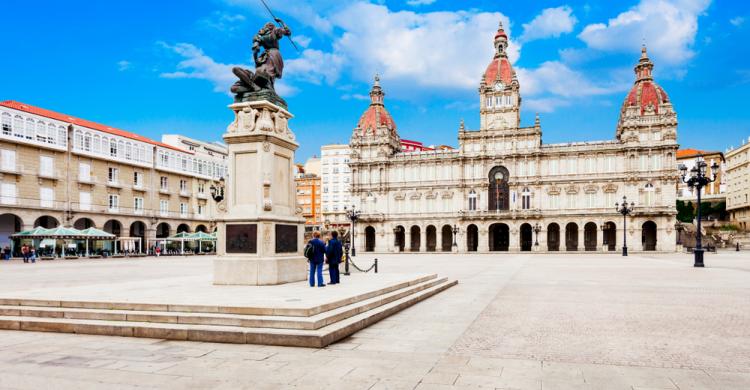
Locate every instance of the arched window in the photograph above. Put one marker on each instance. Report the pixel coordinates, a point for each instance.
(113, 147)
(87, 141)
(7, 124)
(97, 146)
(51, 131)
(648, 194)
(18, 126)
(41, 132)
(526, 198)
(498, 194)
(128, 151)
(62, 135)
(29, 128)
(78, 140)
(120, 148)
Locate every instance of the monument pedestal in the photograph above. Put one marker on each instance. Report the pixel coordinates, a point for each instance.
(261, 232)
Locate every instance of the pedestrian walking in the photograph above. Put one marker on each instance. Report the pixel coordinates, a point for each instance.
(315, 253)
(334, 253)
(25, 253)
(32, 254)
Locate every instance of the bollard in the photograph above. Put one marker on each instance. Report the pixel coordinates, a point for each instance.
(738, 247)
(376, 265)
(346, 265)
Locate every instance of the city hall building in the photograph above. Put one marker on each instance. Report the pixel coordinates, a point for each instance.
(502, 183)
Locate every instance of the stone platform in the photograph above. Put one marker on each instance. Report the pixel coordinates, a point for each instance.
(191, 308)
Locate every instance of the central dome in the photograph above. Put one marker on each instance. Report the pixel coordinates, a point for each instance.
(499, 69)
(376, 116)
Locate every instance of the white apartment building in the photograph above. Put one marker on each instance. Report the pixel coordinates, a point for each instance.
(336, 181)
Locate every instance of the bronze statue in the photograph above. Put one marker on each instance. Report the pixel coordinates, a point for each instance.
(269, 66)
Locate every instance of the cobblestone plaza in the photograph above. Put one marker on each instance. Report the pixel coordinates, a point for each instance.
(533, 321)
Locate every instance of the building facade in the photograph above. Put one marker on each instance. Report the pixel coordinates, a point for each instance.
(58, 170)
(502, 181)
(308, 198)
(336, 181)
(712, 192)
(738, 185)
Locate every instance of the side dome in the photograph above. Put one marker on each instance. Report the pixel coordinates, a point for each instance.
(645, 100)
(376, 116)
(646, 96)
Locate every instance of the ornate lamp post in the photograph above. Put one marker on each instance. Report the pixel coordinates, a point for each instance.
(537, 229)
(624, 209)
(217, 192)
(353, 215)
(498, 179)
(455, 233)
(679, 227)
(697, 179)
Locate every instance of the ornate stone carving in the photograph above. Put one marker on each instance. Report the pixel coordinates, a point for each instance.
(267, 203)
(610, 188)
(415, 196)
(265, 123)
(266, 146)
(571, 189)
(591, 189)
(553, 190)
(447, 195)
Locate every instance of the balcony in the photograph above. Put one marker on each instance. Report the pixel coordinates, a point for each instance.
(114, 184)
(201, 195)
(86, 180)
(185, 193)
(10, 170)
(48, 175)
(139, 187)
(163, 190)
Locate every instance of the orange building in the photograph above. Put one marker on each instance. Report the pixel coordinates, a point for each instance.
(308, 198)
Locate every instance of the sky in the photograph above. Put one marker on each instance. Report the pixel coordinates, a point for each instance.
(163, 67)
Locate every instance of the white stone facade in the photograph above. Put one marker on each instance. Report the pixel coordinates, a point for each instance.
(336, 182)
(738, 185)
(502, 180)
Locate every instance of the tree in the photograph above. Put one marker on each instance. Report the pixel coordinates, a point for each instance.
(685, 212)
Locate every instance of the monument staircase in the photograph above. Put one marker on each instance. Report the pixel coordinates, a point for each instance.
(304, 326)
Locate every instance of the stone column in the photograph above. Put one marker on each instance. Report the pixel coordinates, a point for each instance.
(461, 240)
(542, 240)
(483, 242)
(407, 240)
(514, 237)
(582, 239)
(261, 230)
(423, 240)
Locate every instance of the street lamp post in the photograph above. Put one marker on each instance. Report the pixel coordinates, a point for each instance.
(698, 179)
(498, 179)
(624, 209)
(537, 229)
(455, 233)
(353, 215)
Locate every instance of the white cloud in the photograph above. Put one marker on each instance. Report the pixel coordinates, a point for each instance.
(354, 96)
(223, 22)
(556, 78)
(124, 65)
(309, 12)
(302, 40)
(737, 21)
(315, 67)
(552, 22)
(435, 49)
(668, 26)
(545, 104)
(197, 65)
(415, 3)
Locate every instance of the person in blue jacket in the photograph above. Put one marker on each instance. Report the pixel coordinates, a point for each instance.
(334, 253)
(316, 260)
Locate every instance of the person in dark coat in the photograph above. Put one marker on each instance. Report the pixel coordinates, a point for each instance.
(316, 260)
(334, 253)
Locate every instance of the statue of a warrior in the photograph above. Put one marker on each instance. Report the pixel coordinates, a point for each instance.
(269, 65)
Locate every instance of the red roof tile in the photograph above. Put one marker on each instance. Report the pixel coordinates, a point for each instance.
(499, 66)
(84, 123)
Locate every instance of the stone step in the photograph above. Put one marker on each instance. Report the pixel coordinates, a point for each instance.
(316, 338)
(198, 318)
(246, 310)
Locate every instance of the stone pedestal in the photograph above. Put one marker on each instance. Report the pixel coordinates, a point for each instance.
(260, 234)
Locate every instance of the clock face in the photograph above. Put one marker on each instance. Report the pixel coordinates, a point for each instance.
(498, 176)
(499, 86)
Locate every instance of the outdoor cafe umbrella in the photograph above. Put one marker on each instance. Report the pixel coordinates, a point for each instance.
(93, 233)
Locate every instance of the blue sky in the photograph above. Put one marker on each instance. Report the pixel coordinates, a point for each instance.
(158, 67)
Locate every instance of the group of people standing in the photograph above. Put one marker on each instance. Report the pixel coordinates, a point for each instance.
(28, 253)
(320, 253)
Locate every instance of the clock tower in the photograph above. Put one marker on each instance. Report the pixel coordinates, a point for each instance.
(500, 101)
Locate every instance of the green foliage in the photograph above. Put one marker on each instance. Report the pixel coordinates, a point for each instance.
(685, 212)
(729, 228)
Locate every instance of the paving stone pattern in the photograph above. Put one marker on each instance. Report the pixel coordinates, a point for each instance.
(513, 322)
